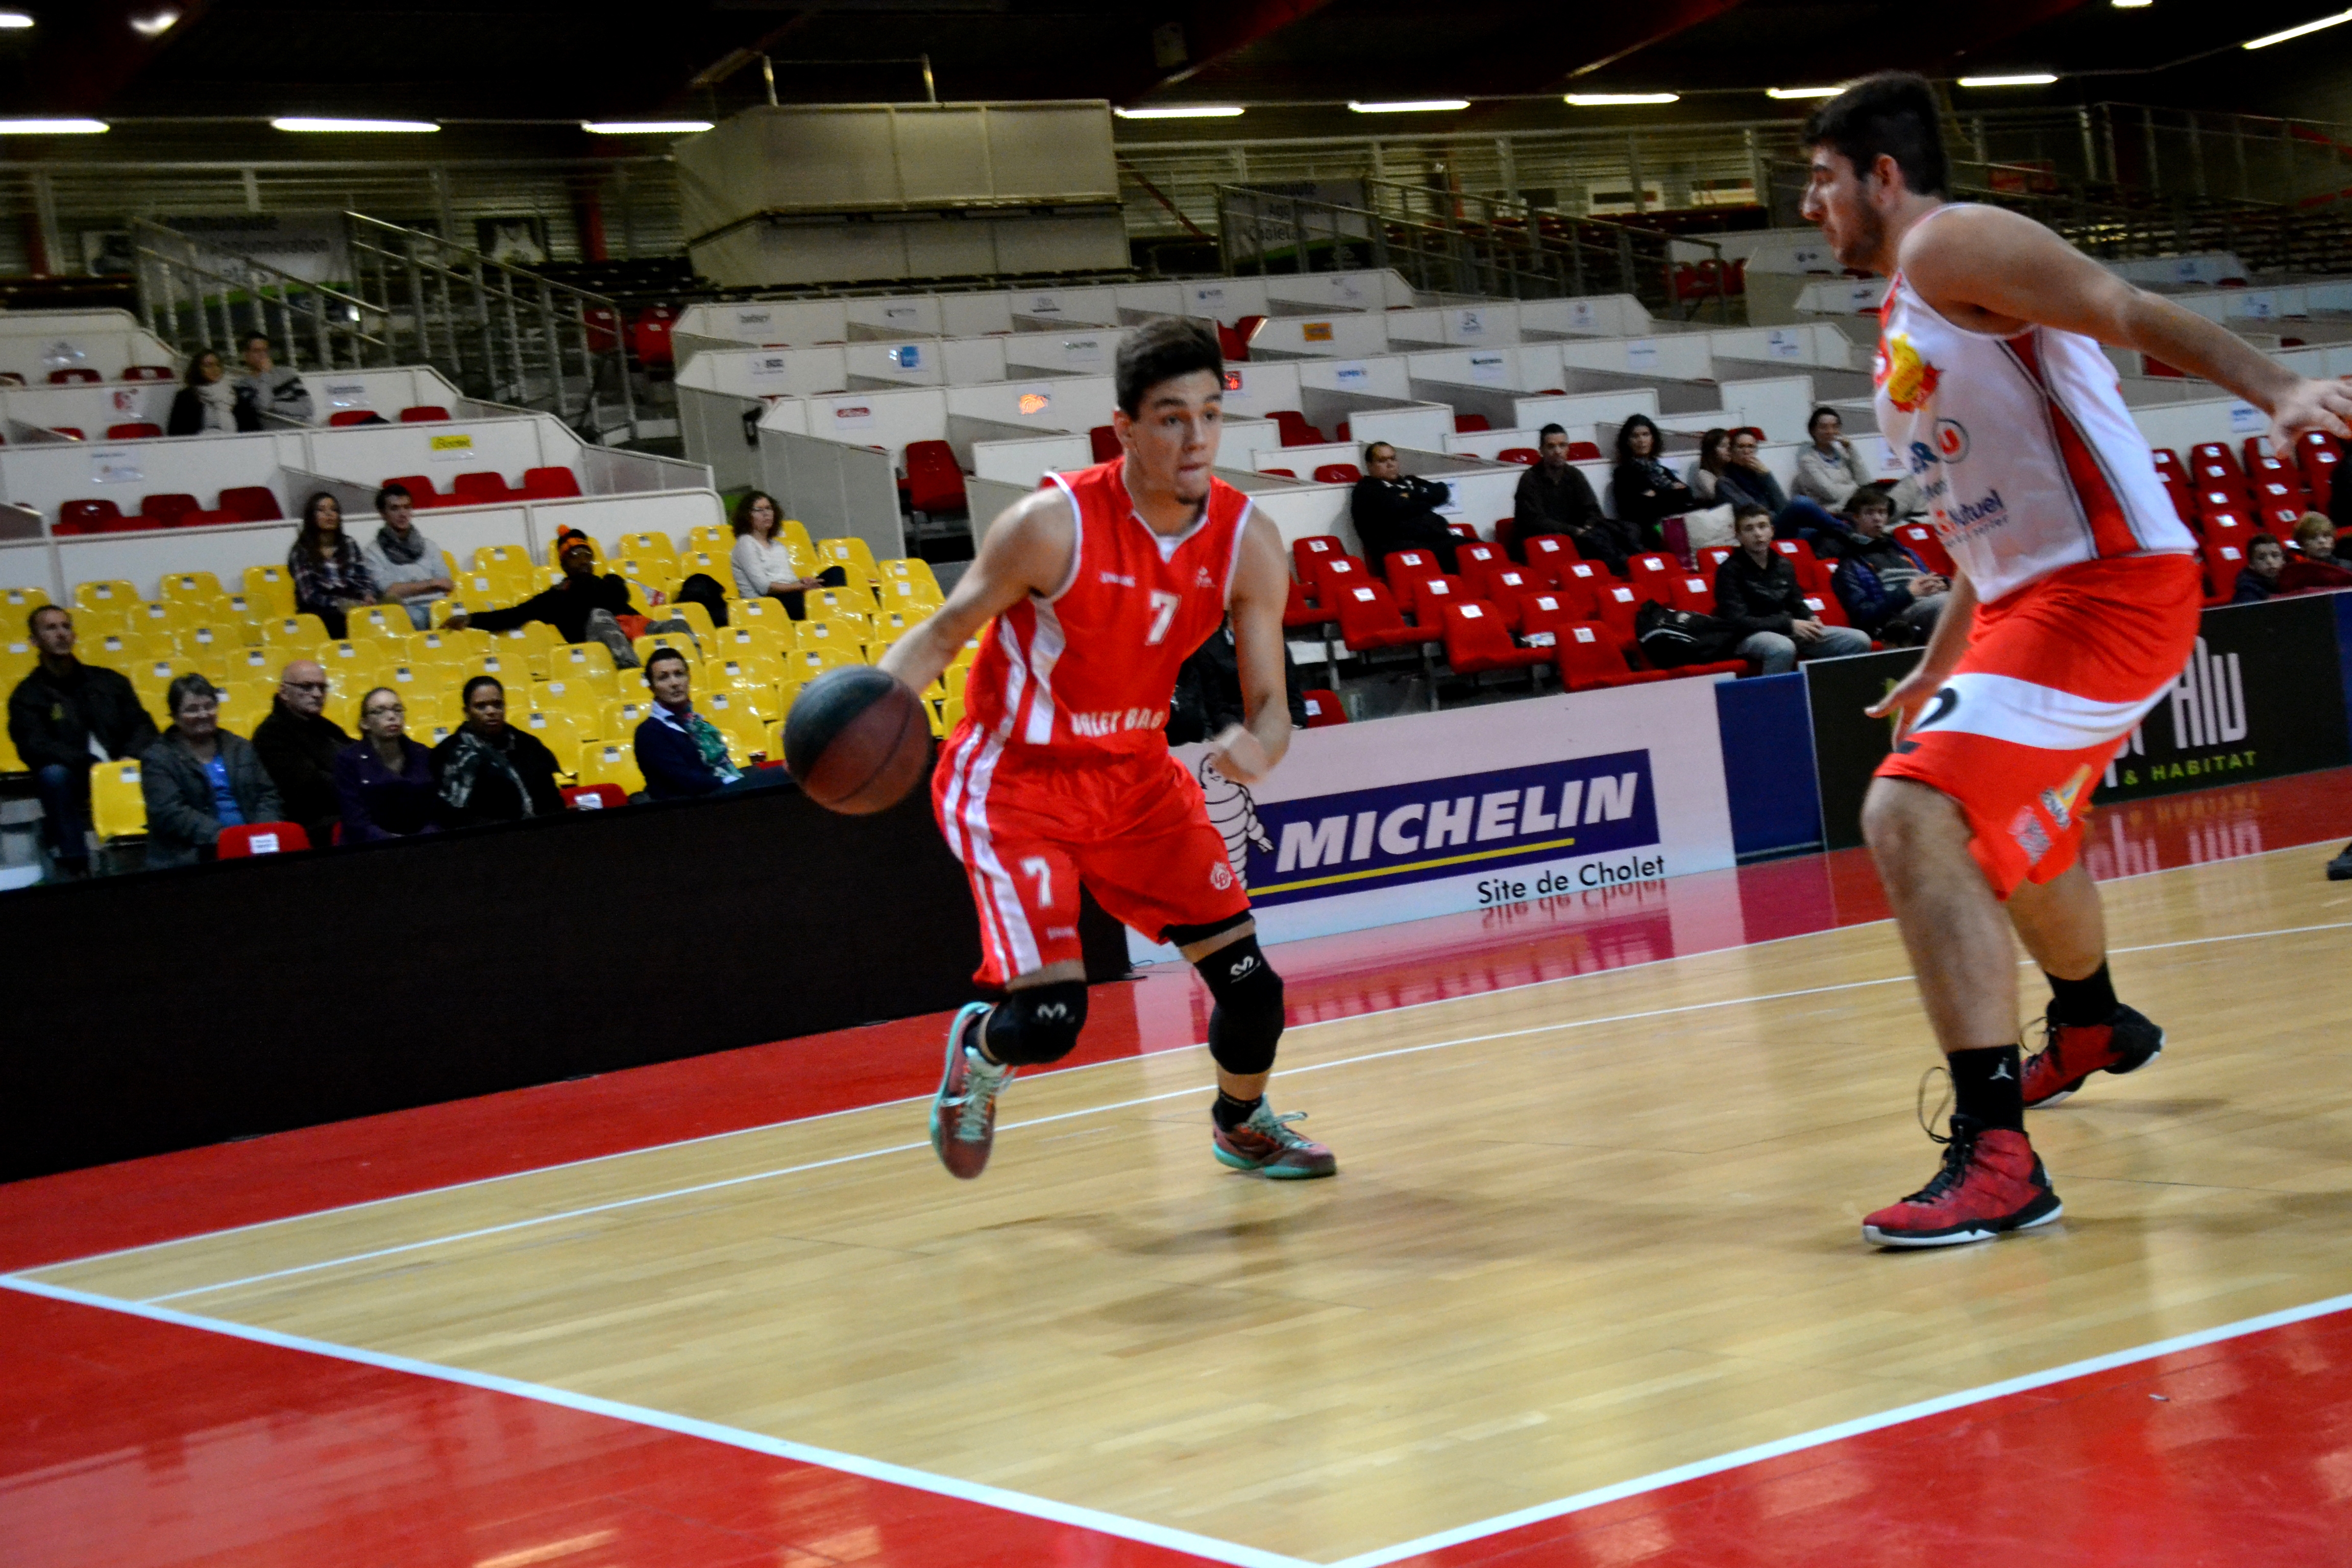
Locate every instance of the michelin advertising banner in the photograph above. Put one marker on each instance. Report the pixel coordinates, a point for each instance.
(1366, 825)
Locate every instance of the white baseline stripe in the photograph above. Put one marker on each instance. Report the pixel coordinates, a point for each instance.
(1088, 1066)
(712, 1431)
(1393, 1051)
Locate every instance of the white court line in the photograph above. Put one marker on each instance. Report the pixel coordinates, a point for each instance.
(1085, 1067)
(686, 1426)
(701, 1187)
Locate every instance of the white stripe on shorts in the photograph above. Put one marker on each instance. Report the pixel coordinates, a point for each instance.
(2003, 707)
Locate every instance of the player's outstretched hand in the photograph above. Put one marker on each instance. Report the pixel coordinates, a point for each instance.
(1912, 693)
(2312, 405)
(1239, 755)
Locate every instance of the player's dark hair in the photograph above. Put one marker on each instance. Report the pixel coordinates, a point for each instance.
(1371, 447)
(2264, 537)
(33, 621)
(466, 692)
(1894, 113)
(389, 491)
(1815, 417)
(742, 521)
(660, 654)
(1626, 438)
(1161, 350)
(1741, 514)
(1551, 430)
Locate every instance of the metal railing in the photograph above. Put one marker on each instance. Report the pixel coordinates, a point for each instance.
(196, 296)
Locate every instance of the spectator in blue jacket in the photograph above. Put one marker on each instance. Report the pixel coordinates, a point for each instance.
(681, 752)
(1886, 589)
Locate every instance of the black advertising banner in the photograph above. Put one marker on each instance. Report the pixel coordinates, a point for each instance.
(2260, 697)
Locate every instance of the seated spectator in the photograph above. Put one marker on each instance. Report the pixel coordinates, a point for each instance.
(299, 744)
(586, 604)
(1647, 493)
(1829, 470)
(1757, 591)
(406, 567)
(383, 781)
(198, 778)
(1554, 496)
(1886, 589)
(490, 772)
(1714, 453)
(208, 403)
(1208, 697)
(763, 562)
(1746, 482)
(1394, 511)
(2258, 578)
(268, 387)
(681, 753)
(2315, 566)
(330, 578)
(62, 716)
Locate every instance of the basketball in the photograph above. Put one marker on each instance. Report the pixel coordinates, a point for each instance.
(856, 741)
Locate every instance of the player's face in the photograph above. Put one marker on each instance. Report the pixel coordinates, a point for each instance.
(1383, 462)
(2266, 559)
(1756, 535)
(1173, 439)
(1838, 200)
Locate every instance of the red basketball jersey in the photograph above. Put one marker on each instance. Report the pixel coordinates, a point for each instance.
(1088, 670)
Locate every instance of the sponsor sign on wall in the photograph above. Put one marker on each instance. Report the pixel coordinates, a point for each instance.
(1366, 825)
(2253, 702)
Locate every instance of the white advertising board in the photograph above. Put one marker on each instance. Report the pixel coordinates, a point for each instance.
(1367, 825)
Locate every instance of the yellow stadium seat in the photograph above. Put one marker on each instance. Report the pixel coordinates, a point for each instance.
(161, 615)
(747, 738)
(19, 603)
(303, 632)
(115, 649)
(645, 547)
(431, 735)
(623, 715)
(17, 656)
(712, 565)
(580, 658)
(108, 593)
(951, 714)
(379, 621)
(842, 633)
(737, 664)
(954, 679)
(10, 763)
(428, 691)
(766, 636)
(506, 557)
(682, 641)
(966, 654)
(583, 702)
(732, 703)
(151, 682)
(796, 538)
(717, 537)
(511, 666)
(244, 611)
(215, 650)
(851, 554)
(264, 663)
(560, 731)
(491, 590)
(807, 663)
(363, 654)
(272, 588)
(909, 598)
(612, 761)
(939, 721)
(760, 611)
(911, 569)
(117, 809)
(649, 576)
(244, 704)
(536, 636)
(840, 604)
(696, 617)
(191, 585)
(466, 642)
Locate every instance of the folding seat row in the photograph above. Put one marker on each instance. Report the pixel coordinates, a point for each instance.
(487, 489)
(418, 414)
(239, 503)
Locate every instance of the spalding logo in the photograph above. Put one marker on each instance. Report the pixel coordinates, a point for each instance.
(1220, 875)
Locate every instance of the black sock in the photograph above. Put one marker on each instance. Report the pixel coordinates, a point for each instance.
(1231, 1112)
(2090, 1000)
(1987, 1086)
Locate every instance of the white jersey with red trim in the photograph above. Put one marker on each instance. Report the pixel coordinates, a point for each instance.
(1088, 670)
(2021, 445)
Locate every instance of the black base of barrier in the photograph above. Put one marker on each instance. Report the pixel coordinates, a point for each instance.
(172, 1009)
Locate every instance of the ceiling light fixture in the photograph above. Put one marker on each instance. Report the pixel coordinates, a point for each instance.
(316, 122)
(155, 23)
(52, 127)
(1183, 111)
(2023, 79)
(14, 21)
(1410, 106)
(645, 127)
(2265, 43)
(1613, 99)
(1785, 93)
(2131, 4)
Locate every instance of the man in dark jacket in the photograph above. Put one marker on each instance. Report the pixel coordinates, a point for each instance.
(585, 605)
(1888, 590)
(1757, 591)
(1554, 498)
(62, 716)
(2258, 579)
(1207, 696)
(1393, 511)
(299, 744)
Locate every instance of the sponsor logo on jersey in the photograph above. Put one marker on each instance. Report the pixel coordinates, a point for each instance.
(2060, 802)
(1205, 581)
(1951, 440)
(1118, 719)
(1978, 516)
(1121, 578)
(1908, 379)
(1220, 875)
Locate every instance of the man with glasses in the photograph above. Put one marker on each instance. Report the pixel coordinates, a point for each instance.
(299, 744)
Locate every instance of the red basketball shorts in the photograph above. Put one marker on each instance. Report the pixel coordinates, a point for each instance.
(2055, 677)
(1133, 829)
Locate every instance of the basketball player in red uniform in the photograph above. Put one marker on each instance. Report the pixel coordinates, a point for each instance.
(1094, 590)
(2073, 609)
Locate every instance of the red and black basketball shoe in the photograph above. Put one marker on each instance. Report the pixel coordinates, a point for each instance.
(2125, 1043)
(1991, 1182)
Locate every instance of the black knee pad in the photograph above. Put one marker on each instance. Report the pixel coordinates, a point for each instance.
(1247, 1023)
(1038, 1024)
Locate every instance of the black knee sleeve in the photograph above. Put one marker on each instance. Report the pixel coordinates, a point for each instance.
(1038, 1024)
(1247, 1023)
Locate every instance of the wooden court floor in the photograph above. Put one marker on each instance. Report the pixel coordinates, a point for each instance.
(1585, 1231)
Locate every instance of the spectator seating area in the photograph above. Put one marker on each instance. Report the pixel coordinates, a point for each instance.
(2226, 497)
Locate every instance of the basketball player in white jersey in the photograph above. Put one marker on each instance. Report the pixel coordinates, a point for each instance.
(2074, 606)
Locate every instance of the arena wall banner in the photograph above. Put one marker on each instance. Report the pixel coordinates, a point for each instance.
(2254, 701)
(1365, 824)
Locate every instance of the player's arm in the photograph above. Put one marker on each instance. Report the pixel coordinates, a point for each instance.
(1983, 262)
(1248, 751)
(1945, 645)
(1027, 551)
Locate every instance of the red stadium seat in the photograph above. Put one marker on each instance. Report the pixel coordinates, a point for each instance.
(1589, 660)
(1477, 642)
(1827, 610)
(1324, 708)
(1305, 553)
(205, 519)
(1337, 474)
(649, 335)
(1104, 439)
(603, 329)
(1810, 577)
(1550, 555)
(1713, 556)
(1583, 452)
(1583, 582)
(2168, 461)
(596, 797)
(87, 517)
(136, 430)
(150, 373)
(2318, 454)
(1694, 593)
(251, 503)
(2222, 564)
(420, 491)
(934, 481)
(1432, 594)
(2211, 460)
(423, 414)
(550, 483)
(1507, 589)
(1614, 606)
(1300, 613)
(1464, 532)
(1652, 574)
(1285, 473)
(71, 375)
(168, 508)
(71, 432)
(1472, 560)
(2228, 528)
(1525, 457)
(1296, 431)
(343, 417)
(1410, 562)
(2184, 500)
(1339, 432)
(479, 488)
(1542, 615)
(1369, 619)
(1470, 423)
(1231, 346)
(1334, 575)
(251, 838)
(1927, 546)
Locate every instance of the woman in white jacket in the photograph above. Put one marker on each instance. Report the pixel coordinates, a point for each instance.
(763, 562)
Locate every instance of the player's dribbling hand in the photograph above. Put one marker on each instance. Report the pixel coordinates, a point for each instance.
(2312, 405)
(1239, 755)
(1910, 694)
